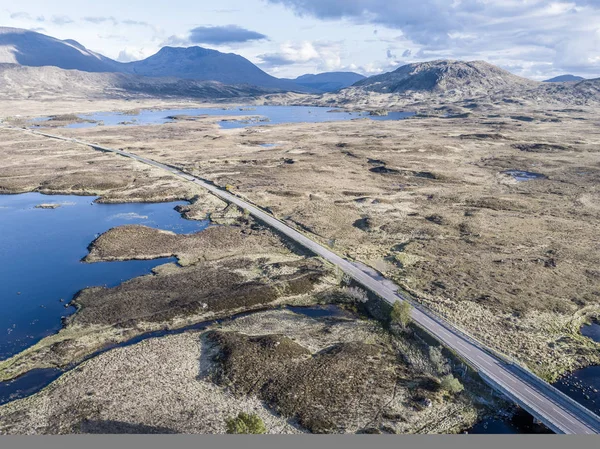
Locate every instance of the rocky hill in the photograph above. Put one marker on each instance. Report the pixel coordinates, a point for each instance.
(431, 85)
(451, 78)
(578, 93)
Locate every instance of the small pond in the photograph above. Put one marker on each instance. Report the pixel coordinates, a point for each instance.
(41, 252)
(248, 116)
(520, 423)
(584, 385)
(522, 176)
(591, 331)
(325, 311)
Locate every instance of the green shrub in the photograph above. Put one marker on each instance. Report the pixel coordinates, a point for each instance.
(401, 313)
(246, 423)
(439, 362)
(451, 384)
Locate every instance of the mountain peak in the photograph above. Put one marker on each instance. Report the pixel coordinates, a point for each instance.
(194, 50)
(7, 30)
(201, 63)
(29, 48)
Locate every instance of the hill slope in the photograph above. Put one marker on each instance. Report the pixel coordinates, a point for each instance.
(29, 48)
(453, 78)
(19, 82)
(578, 93)
(329, 81)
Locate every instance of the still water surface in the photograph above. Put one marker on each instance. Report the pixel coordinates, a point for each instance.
(41, 252)
(250, 116)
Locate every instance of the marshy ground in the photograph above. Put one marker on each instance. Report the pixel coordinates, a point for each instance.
(426, 201)
(227, 271)
(281, 365)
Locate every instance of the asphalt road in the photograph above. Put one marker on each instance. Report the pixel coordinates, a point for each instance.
(556, 410)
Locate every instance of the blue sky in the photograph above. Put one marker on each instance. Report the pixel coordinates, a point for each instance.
(533, 38)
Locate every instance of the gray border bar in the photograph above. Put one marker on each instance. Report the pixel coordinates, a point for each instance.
(302, 441)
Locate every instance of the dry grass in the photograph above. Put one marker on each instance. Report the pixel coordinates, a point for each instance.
(424, 200)
(514, 263)
(166, 385)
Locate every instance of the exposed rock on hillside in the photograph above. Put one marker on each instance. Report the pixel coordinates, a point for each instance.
(464, 78)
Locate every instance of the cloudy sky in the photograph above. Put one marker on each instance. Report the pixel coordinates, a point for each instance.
(287, 38)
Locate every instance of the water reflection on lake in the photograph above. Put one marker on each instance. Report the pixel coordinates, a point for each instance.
(251, 116)
(41, 252)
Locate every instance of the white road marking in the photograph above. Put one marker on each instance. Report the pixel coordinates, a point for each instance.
(458, 342)
(529, 390)
(487, 363)
(507, 377)
(564, 416)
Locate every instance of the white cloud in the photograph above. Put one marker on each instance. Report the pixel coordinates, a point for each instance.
(321, 56)
(61, 20)
(561, 33)
(133, 54)
(535, 38)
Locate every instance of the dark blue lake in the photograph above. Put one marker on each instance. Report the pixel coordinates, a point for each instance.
(257, 116)
(41, 252)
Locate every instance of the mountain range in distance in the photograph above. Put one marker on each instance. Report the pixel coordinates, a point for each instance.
(564, 79)
(328, 81)
(207, 65)
(31, 65)
(29, 48)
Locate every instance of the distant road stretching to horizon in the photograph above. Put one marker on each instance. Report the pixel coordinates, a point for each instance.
(546, 403)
